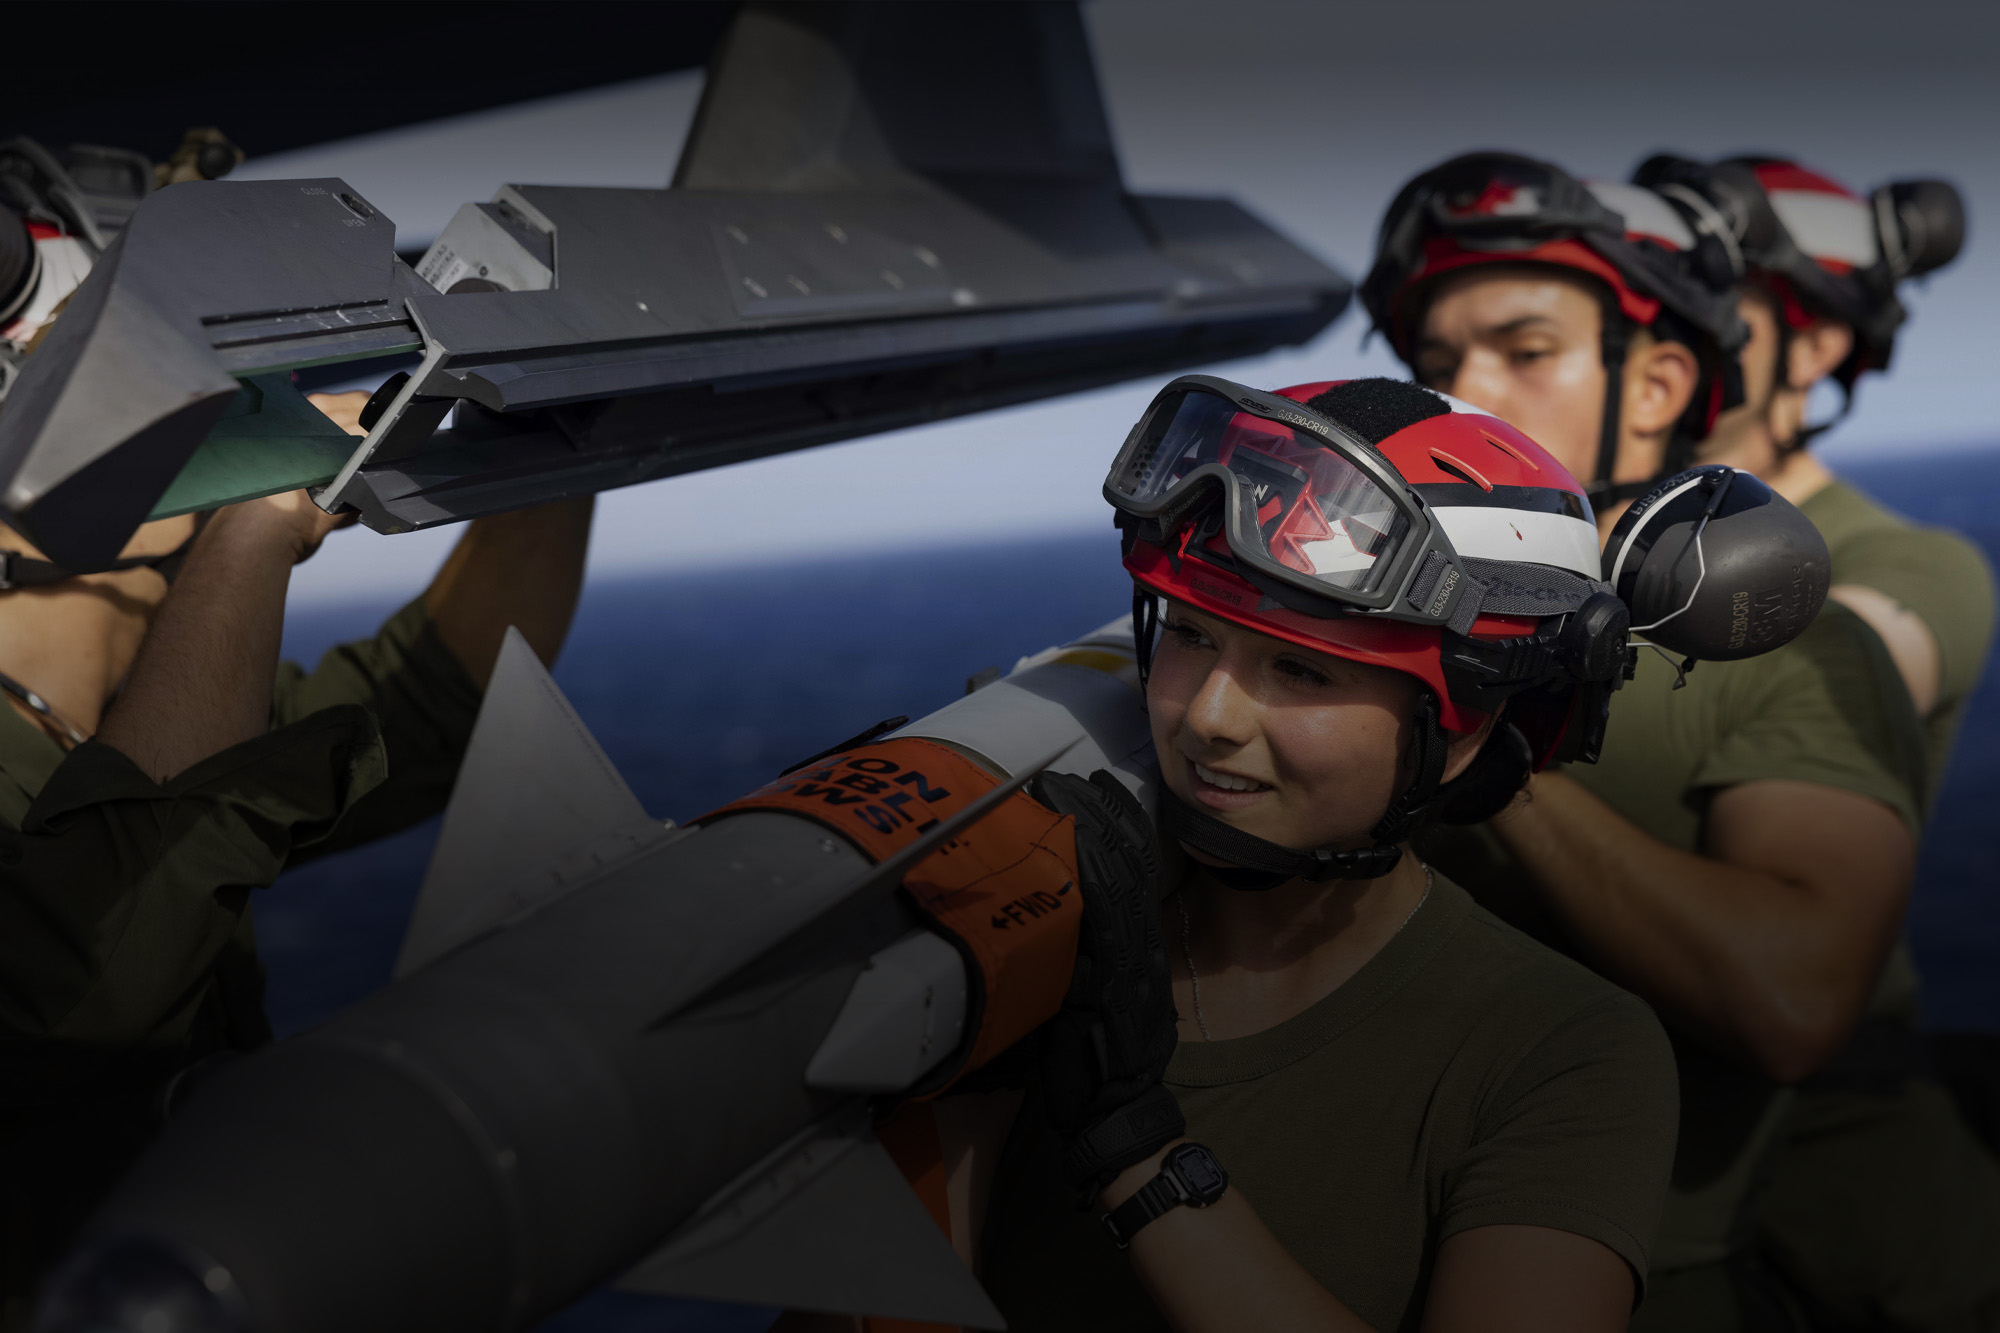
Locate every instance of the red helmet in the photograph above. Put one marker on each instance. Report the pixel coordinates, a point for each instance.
(1385, 524)
(1380, 522)
(1500, 208)
(1821, 250)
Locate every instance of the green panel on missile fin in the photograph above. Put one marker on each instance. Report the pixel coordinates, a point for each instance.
(269, 440)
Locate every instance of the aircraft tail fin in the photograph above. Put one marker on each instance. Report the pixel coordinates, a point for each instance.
(814, 97)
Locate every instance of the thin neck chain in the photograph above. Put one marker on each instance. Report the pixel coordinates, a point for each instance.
(40, 707)
(1187, 945)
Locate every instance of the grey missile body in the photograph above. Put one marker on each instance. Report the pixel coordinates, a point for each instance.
(636, 1049)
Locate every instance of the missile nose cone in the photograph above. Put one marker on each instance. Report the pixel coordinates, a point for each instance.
(133, 1284)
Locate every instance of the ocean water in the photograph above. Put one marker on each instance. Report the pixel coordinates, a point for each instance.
(701, 686)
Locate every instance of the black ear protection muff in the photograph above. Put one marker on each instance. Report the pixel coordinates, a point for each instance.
(1716, 566)
(1920, 225)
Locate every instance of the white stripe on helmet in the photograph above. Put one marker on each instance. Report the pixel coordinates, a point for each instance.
(1486, 533)
(1645, 213)
(1828, 226)
(1460, 405)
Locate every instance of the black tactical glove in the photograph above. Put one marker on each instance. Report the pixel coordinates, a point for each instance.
(1104, 1054)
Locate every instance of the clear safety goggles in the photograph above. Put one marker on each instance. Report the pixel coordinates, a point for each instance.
(1501, 203)
(1500, 199)
(1297, 499)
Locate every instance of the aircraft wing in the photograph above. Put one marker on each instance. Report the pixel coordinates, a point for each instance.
(884, 215)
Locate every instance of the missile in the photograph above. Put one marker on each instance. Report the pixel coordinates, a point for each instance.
(619, 1047)
(885, 214)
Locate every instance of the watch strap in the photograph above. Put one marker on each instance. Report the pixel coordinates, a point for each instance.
(1152, 1200)
(1166, 1191)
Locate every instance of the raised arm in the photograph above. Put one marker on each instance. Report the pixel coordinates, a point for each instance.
(523, 569)
(1768, 943)
(202, 679)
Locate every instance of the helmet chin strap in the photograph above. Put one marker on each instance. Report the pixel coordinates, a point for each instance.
(1604, 493)
(1614, 341)
(1145, 628)
(1255, 864)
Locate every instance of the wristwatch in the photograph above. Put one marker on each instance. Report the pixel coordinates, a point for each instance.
(1189, 1175)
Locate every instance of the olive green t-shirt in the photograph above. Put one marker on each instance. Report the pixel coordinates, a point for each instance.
(1939, 575)
(1464, 1077)
(1880, 1203)
(126, 945)
(1827, 708)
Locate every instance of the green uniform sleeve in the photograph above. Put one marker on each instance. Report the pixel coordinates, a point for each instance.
(118, 893)
(423, 702)
(1829, 708)
(1946, 581)
(1578, 1136)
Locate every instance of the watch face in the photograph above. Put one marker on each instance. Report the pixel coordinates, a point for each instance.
(1200, 1172)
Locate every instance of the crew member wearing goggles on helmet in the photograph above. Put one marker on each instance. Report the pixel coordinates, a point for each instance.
(1882, 1208)
(1741, 853)
(1820, 303)
(1587, 314)
(1387, 1107)
(158, 763)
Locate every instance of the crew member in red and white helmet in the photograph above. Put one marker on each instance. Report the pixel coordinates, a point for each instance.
(1822, 265)
(1304, 1080)
(1741, 853)
(1883, 1208)
(1388, 1110)
(1506, 281)
(1514, 562)
(1823, 262)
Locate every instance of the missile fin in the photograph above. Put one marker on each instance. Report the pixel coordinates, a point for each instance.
(850, 1237)
(534, 794)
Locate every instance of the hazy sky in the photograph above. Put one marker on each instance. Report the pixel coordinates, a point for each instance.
(1312, 115)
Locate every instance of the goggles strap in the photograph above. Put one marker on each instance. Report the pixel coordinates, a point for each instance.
(1256, 865)
(1509, 589)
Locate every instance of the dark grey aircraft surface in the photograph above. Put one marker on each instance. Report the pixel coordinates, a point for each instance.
(884, 214)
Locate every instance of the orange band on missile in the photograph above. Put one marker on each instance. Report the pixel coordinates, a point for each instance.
(880, 797)
(1006, 893)
(1004, 890)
